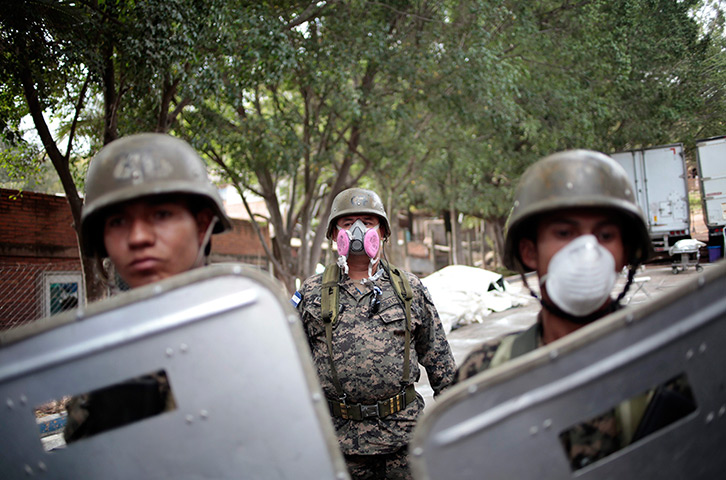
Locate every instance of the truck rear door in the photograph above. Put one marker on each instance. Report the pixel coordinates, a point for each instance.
(667, 191)
(632, 162)
(712, 169)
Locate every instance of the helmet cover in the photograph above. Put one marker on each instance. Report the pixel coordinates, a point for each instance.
(144, 165)
(575, 179)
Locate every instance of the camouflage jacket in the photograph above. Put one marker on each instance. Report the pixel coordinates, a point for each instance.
(584, 443)
(368, 351)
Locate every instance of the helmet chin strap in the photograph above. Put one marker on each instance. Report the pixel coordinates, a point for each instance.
(597, 314)
(201, 259)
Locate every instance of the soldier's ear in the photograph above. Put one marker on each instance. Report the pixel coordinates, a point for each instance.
(204, 218)
(528, 253)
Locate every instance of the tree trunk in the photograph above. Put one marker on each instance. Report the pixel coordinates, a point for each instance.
(495, 231)
(457, 254)
(95, 289)
(483, 244)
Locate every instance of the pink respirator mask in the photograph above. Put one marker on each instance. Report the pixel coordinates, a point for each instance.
(358, 239)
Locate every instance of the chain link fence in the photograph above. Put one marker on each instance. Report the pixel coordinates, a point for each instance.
(29, 291)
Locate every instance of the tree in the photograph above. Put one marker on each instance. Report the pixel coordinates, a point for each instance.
(303, 104)
(40, 61)
(60, 57)
(438, 104)
(604, 75)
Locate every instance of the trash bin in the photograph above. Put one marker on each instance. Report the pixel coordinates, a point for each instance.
(714, 253)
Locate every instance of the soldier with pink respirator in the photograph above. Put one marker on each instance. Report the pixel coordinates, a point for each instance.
(370, 325)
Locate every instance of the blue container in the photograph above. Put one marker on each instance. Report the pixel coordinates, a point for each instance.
(714, 253)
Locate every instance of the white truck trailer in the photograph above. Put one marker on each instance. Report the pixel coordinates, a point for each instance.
(711, 160)
(661, 190)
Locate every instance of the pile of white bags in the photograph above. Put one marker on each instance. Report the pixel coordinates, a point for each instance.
(465, 295)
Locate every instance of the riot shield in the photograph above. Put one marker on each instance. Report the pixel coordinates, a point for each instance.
(507, 422)
(246, 401)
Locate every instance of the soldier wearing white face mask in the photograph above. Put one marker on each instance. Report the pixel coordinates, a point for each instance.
(370, 325)
(575, 222)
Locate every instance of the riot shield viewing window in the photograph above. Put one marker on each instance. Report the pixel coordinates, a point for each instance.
(108, 408)
(245, 400)
(628, 422)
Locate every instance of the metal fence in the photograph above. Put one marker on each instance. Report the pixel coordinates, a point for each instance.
(29, 291)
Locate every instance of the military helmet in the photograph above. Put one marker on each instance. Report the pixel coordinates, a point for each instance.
(574, 179)
(143, 165)
(357, 201)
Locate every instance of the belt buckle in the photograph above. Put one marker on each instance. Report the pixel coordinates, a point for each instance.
(367, 411)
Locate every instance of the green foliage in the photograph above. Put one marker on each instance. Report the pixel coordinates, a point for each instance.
(19, 167)
(694, 200)
(436, 104)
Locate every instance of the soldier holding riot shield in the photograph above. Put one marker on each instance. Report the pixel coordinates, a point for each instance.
(575, 222)
(151, 209)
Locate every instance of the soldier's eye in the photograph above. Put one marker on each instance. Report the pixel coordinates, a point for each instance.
(114, 221)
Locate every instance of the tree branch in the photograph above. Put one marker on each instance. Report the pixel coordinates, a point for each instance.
(312, 11)
(77, 113)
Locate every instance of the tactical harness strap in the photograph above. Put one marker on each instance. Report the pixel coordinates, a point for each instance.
(329, 303)
(329, 300)
(514, 345)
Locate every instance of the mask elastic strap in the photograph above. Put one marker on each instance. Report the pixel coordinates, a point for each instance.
(200, 261)
(370, 266)
(343, 263)
(526, 284)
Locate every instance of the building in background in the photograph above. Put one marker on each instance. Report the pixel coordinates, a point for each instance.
(40, 268)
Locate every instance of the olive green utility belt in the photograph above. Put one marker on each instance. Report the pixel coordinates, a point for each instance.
(383, 408)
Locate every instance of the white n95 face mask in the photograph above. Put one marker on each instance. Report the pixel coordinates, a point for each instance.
(580, 276)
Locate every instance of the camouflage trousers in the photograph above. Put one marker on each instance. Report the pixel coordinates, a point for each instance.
(387, 466)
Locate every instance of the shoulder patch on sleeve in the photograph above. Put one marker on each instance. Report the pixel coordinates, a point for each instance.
(295, 300)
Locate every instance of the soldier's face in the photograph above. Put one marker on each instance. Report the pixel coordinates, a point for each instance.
(151, 240)
(556, 230)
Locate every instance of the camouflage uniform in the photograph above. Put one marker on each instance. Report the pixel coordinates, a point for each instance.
(586, 442)
(368, 352)
(479, 359)
(603, 435)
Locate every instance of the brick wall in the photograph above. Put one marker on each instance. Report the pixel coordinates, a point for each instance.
(36, 225)
(39, 226)
(38, 249)
(241, 244)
